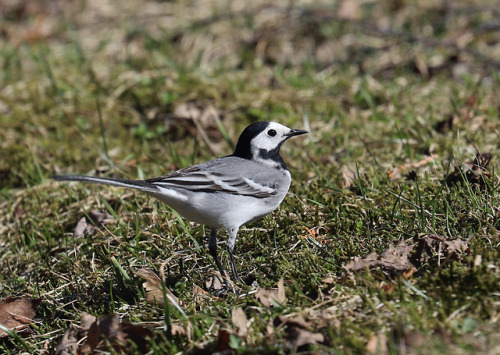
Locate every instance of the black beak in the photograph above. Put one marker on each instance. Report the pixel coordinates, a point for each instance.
(296, 132)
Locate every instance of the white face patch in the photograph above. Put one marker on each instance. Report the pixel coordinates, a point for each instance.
(270, 138)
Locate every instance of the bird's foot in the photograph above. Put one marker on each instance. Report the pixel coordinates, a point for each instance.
(221, 288)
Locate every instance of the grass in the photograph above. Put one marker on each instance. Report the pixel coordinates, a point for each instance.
(142, 90)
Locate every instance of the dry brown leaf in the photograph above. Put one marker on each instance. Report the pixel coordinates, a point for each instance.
(349, 176)
(88, 226)
(437, 247)
(104, 334)
(239, 320)
(456, 247)
(395, 173)
(266, 296)
(92, 340)
(297, 331)
(204, 117)
(69, 342)
(17, 314)
(395, 258)
(214, 284)
(298, 337)
(86, 320)
(153, 287)
(116, 334)
(137, 334)
(359, 263)
(398, 258)
(473, 171)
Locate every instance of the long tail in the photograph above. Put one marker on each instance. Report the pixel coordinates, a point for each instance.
(134, 184)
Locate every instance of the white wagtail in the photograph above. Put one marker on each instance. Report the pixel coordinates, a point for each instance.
(226, 192)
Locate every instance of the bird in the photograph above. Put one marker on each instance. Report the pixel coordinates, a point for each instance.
(224, 193)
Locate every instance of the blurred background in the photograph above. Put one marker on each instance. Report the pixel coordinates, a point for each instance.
(121, 79)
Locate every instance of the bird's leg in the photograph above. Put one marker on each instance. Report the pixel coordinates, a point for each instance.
(212, 247)
(231, 241)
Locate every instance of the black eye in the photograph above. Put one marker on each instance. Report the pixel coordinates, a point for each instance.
(271, 133)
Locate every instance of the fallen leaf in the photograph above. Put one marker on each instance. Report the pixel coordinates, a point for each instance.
(456, 247)
(153, 287)
(298, 331)
(474, 171)
(359, 263)
(298, 337)
(266, 297)
(135, 333)
(86, 320)
(395, 174)
(204, 117)
(395, 258)
(69, 342)
(438, 248)
(349, 176)
(116, 334)
(239, 319)
(17, 314)
(214, 284)
(90, 331)
(87, 226)
(104, 334)
(93, 338)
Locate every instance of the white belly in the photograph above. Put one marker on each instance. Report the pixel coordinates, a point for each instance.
(221, 209)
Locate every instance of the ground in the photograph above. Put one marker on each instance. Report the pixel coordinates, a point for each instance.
(388, 241)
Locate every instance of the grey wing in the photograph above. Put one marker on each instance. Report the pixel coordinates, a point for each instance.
(229, 174)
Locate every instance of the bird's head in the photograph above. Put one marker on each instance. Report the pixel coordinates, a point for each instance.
(261, 141)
